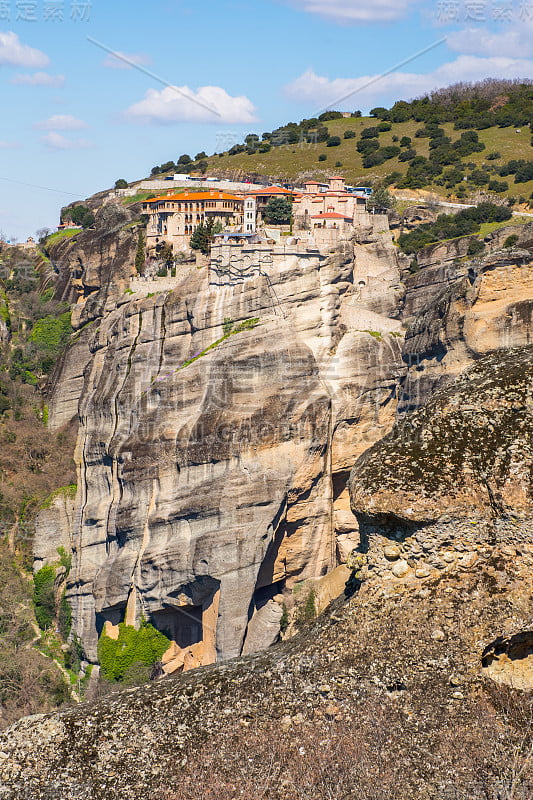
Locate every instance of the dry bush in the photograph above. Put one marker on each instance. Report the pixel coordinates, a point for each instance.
(482, 752)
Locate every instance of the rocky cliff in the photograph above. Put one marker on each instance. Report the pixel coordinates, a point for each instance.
(218, 423)
(433, 649)
(221, 412)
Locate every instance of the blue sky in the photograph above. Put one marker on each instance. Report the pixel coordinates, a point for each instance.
(74, 119)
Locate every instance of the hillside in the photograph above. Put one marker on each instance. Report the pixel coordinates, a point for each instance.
(371, 700)
(452, 144)
(34, 462)
(298, 471)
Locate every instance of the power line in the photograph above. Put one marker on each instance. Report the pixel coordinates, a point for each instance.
(36, 186)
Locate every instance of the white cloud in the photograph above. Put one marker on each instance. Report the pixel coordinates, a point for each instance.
(515, 42)
(323, 92)
(350, 11)
(9, 145)
(14, 53)
(56, 141)
(114, 62)
(61, 122)
(39, 79)
(181, 104)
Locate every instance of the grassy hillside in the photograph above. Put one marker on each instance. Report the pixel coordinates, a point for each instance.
(455, 143)
(292, 162)
(33, 463)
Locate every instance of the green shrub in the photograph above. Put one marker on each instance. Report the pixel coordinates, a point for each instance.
(449, 226)
(48, 336)
(74, 655)
(307, 611)
(64, 618)
(475, 247)
(44, 596)
(227, 326)
(144, 646)
(511, 240)
(65, 559)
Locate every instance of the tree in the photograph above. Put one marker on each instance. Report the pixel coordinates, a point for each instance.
(278, 211)
(81, 215)
(203, 235)
(184, 159)
(140, 255)
(200, 156)
(327, 115)
(121, 184)
(42, 234)
(381, 200)
(166, 254)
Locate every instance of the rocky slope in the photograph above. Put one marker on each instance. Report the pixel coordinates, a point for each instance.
(222, 411)
(218, 423)
(386, 683)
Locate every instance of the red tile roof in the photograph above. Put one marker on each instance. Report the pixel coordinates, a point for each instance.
(271, 190)
(186, 197)
(330, 215)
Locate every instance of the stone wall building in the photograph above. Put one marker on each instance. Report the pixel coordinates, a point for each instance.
(314, 206)
(174, 218)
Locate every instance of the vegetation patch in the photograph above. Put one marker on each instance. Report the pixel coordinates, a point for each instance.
(44, 596)
(63, 491)
(450, 226)
(144, 647)
(67, 233)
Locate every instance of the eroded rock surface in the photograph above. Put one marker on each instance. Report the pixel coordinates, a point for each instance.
(389, 682)
(454, 478)
(218, 423)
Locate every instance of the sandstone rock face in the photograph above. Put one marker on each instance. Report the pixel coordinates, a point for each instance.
(367, 671)
(54, 524)
(95, 268)
(218, 423)
(96, 260)
(483, 307)
(4, 332)
(4, 320)
(453, 479)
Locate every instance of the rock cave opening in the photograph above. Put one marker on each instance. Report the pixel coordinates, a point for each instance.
(266, 593)
(112, 617)
(340, 483)
(183, 624)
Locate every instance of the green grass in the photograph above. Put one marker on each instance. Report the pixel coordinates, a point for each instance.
(66, 491)
(68, 233)
(290, 162)
(140, 197)
(489, 227)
